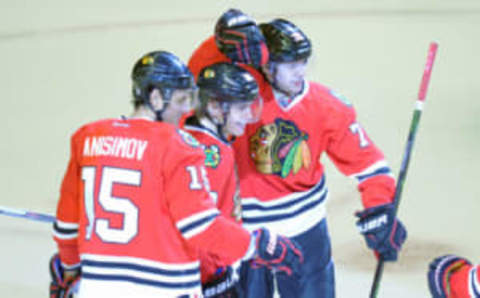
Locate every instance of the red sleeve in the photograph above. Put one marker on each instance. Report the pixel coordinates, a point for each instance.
(207, 53)
(65, 231)
(225, 239)
(466, 282)
(194, 211)
(355, 155)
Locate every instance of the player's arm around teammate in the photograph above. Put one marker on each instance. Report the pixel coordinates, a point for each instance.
(134, 206)
(282, 178)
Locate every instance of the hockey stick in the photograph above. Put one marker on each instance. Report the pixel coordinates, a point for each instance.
(408, 150)
(36, 216)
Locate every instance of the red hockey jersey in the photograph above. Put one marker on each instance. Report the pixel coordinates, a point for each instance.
(466, 283)
(134, 210)
(224, 186)
(282, 180)
(279, 160)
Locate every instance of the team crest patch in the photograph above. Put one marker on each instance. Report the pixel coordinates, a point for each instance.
(212, 156)
(280, 148)
(209, 73)
(147, 60)
(188, 138)
(340, 97)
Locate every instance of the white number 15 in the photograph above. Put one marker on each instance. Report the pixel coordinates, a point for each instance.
(124, 206)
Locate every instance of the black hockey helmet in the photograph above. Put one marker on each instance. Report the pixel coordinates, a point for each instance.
(228, 83)
(285, 41)
(159, 70)
(239, 38)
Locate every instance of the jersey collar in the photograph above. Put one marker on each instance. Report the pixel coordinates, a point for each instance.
(290, 102)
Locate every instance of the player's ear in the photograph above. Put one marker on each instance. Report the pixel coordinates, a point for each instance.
(214, 109)
(156, 99)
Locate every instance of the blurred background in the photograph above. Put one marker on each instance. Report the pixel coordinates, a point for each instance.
(65, 63)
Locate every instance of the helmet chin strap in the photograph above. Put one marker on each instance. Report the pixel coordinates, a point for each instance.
(166, 101)
(225, 107)
(166, 96)
(158, 113)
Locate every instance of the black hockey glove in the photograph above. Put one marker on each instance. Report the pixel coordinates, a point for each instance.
(225, 286)
(383, 232)
(59, 286)
(439, 272)
(276, 252)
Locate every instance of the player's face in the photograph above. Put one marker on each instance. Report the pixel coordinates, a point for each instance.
(239, 116)
(181, 102)
(289, 76)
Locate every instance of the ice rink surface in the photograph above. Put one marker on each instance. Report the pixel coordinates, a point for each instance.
(65, 63)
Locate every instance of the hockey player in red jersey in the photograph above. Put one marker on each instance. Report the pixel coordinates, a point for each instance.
(134, 207)
(283, 184)
(228, 102)
(451, 276)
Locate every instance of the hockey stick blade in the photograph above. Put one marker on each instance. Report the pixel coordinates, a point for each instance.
(432, 51)
(35, 216)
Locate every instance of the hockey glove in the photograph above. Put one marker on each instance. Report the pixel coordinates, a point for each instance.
(61, 287)
(383, 232)
(276, 252)
(440, 271)
(224, 286)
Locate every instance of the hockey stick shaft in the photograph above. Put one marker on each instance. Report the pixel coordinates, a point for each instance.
(36, 216)
(408, 150)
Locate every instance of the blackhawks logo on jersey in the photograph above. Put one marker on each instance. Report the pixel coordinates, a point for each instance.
(188, 138)
(212, 156)
(280, 148)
